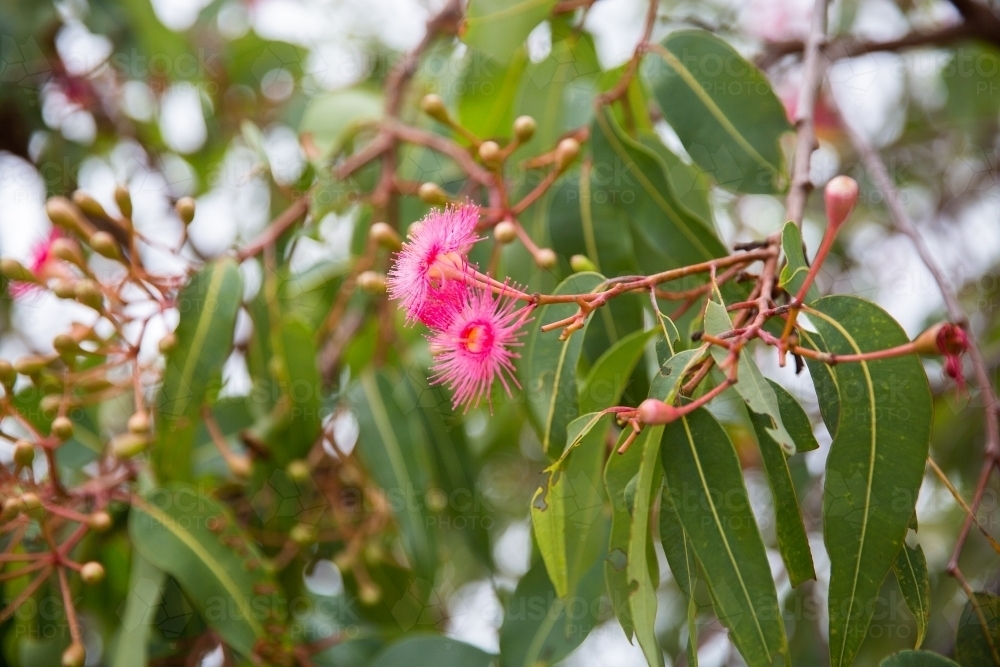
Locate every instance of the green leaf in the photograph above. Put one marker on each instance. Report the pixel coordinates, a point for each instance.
(539, 627)
(455, 470)
(791, 531)
(567, 510)
(793, 274)
(298, 390)
(630, 187)
(723, 110)
(687, 181)
(394, 449)
(795, 419)
(499, 27)
(144, 590)
(611, 372)
(917, 659)
(220, 571)
(910, 567)
(701, 469)
(431, 651)
(548, 368)
(875, 465)
(752, 386)
(558, 92)
(641, 582)
(208, 305)
(331, 118)
(489, 91)
(977, 642)
(683, 565)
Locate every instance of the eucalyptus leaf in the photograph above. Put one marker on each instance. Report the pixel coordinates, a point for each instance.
(910, 568)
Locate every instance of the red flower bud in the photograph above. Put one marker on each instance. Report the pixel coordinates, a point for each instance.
(653, 411)
(840, 195)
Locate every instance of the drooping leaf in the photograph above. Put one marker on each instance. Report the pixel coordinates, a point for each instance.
(455, 470)
(977, 642)
(910, 567)
(618, 473)
(752, 386)
(917, 659)
(700, 469)
(393, 446)
(499, 27)
(792, 540)
(195, 540)
(795, 419)
(723, 110)
(539, 627)
(558, 92)
(547, 370)
(683, 565)
(611, 372)
(489, 92)
(331, 118)
(298, 392)
(875, 465)
(633, 190)
(144, 588)
(431, 651)
(208, 305)
(567, 511)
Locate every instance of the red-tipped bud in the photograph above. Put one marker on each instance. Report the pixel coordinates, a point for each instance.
(652, 411)
(841, 194)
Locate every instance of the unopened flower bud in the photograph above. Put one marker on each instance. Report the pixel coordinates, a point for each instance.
(369, 593)
(24, 453)
(92, 573)
(11, 508)
(62, 427)
(65, 344)
(581, 263)
(433, 106)
(64, 288)
(64, 214)
(546, 258)
(104, 244)
(167, 343)
(505, 231)
(240, 466)
(7, 373)
(124, 200)
(89, 205)
(653, 411)
(99, 521)
(489, 151)
(302, 534)
(75, 655)
(566, 152)
(127, 445)
(431, 193)
(139, 422)
(371, 282)
(50, 403)
(185, 209)
(11, 269)
(30, 364)
(89, 294)
(30, 502)
(840, 195)
(524, 128)
(383, 234)
(68, 251)
(298, 470)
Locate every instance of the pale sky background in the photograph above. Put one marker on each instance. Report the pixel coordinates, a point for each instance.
(871, 91)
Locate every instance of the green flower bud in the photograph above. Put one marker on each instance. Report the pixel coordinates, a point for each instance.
(524, 128)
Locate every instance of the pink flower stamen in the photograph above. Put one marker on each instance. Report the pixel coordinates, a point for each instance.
(474, 349)
(41, 261)
(427, 276)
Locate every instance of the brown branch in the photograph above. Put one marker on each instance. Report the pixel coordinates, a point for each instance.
(278, 226)
(805, 112)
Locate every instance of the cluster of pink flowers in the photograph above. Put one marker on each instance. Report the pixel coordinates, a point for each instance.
(473, 330)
